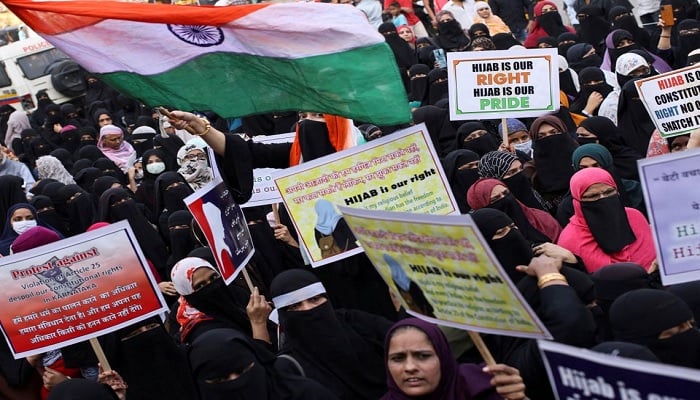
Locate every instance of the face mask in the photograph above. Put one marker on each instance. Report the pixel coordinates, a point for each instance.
(22, 226)
(155, 168)
(586, 140)
(525, 147)
(681, 349)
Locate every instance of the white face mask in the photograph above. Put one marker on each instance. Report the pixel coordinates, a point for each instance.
(155, 168)
(525, 147)
(22, 226)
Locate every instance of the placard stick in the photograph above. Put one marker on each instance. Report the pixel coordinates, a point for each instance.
(248, 280)
(481, 346)
(276, 213)
(101, 358)
(504, 131)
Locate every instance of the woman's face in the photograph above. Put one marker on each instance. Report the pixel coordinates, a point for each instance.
(582, 132)
(22, 214)
(406, 34)
(153, 159)
(547, 130)
(484, 12)
(413, 363)
(201, 277)
(598, 191)
(104, 119)
(112, 141)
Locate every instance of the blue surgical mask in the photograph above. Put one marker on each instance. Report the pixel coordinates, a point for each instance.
(525, 147)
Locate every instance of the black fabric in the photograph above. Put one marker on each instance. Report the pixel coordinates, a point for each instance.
(437, 121)
(313, 139)
(225, 303)
(615, 53)
(108, 167)
(633, 120)
(346, 358)
(552, 24)
(86, 177)
(510, 206)
(552, 155)
(608, 135)
(181, 239)
(629, 23)
(612, 281)
(504, 41)
(586, 76)
(115, 205)
(47, 212)
(171, 198)
(481, 145)
(418, 84)
(522, 189)
(81, 389)
(11, 193)
(76, 205)
(512, 249)
(404, 55)
(437, 90)
(451, 36)
(626, 350)
(607, 220)
(460, 180)
(219, 352)
(577, 61)
(562, 47)
(169, 144)
(91, 152)
(594, 28)
(688, 42)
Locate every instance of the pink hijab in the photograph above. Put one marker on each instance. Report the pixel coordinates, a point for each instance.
(578, 238)
(124, 156)
(479, 196)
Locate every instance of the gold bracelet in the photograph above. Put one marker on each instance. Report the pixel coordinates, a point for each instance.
(207, 127)
(546, 278)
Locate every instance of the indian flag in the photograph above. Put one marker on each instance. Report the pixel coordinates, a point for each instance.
(235, 61)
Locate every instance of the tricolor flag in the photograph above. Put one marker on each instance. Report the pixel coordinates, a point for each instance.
(235, 61)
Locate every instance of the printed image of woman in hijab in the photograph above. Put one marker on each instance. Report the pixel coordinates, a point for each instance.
(333, 235)
(409, 290)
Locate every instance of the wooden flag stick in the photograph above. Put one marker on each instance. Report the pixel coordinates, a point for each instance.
(101, 358)
(167, 113)
(481, 346)
(504, 131)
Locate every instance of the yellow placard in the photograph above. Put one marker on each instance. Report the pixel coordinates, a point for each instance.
(443, 271)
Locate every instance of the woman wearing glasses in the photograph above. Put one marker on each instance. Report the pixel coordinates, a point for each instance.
(603, 231)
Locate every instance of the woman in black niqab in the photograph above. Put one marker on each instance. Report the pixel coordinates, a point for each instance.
(591, 80)
(46, 211)
(460, 178)
(418, 86)
(77, 206)
(437, 121)
(622, 18)
(116, 205)
(451, 36)
(593, 27)
(633, 120)
(404, 55)
(218, 353)
(609, 136)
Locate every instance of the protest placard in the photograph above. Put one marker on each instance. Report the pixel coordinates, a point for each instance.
(583, 374)
(399, 172)
(497, 84)
(671, 185)
(264, 189)
(75, 289)
(443, 271)
(224, 226)
(672, 100)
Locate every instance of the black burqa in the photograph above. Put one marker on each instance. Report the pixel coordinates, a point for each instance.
(81, 389)
(170, 145)
(437, 121)
(552, 156)
(11, 193)
(404, 55)
(46, 211)
(460, 179)
(116, 205)
(343, 351)
(480, 145)
(418, 78)
(594, 27)
(77, 206)
(622, 18)
(586, 78)
(451, 36)
(219, 352)
(608, 135)
(633, 120)
(437, 85)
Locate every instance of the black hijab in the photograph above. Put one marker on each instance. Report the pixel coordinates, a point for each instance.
(479, 30)
(403, 53)
(614, 53)
(330, 350)
(438, 86)
(512, 249)
(47, 212)
(91, 152)
(688, 41)
(219, 352)
(313, 139)
(585, 77)
(609, 136)
(460, 180)
(418, 84)
(171, 198)
(86, 177)
(77, 206)
(504, 41)
(562, 42)
(633, 120)
(552, 155)
(64, 156)
(451, 36)
(551, 23)
(70, 139)
(577, 61)
(170, 145)
(593, 27)
(641, 315)
(437, 121)
(81, 389)
(116, 205)
(622, 18)
(481, 145)
(11, 193)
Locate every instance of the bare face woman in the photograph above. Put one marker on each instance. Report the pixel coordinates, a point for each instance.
(412, 362)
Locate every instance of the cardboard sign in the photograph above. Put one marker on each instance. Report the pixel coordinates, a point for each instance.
(671, 185)
(399, 172)
(264, 189)
(75, 289)
(503, 84)
(672, 100)
(443, 271)
(583, 374)
(224, 225)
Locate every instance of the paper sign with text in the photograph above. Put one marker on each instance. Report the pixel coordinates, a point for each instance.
(264, 189)
(75, 289)
(503, 84)
(399, 172)
(224, 225)
(671, 185)
(443, 271)
(672, 100)
(583, 374)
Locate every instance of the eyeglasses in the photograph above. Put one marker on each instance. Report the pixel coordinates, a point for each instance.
(599, 195)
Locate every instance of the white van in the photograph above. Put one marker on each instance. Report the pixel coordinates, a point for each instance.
(30, 65)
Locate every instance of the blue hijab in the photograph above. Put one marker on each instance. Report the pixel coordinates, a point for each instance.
(327, 217)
